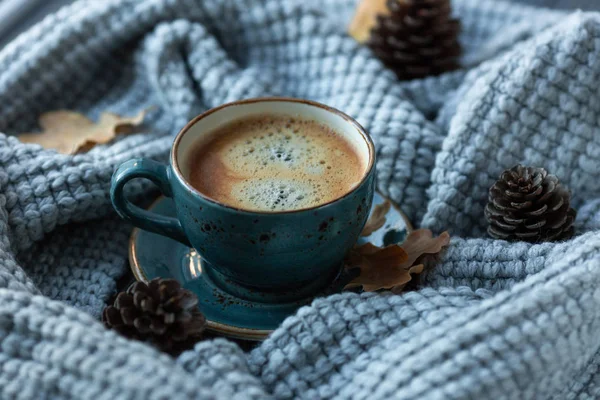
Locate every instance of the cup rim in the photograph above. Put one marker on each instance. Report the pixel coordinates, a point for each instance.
(347, 118)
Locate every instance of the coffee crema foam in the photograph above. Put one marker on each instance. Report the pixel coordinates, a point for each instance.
(275, 163)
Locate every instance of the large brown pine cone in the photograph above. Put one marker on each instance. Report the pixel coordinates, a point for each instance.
(528, 204)
(417, 39)
(160, 312)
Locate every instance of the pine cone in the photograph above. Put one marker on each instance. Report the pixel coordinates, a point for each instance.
(528, 204)
(417, 39)
(161, 312)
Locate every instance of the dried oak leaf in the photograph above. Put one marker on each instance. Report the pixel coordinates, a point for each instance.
(377, 218)
(391, 267)
(365, 18)
(70, 132)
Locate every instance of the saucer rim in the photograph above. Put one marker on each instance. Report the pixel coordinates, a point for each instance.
(217, 327)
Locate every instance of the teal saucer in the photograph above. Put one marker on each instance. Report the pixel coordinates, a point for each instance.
(153, 255)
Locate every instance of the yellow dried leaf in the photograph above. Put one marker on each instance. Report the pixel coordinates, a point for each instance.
(391, 267)
(365, 18)
(377, 218)
(70, 132)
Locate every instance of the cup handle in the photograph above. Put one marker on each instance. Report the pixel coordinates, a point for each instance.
(149, 221)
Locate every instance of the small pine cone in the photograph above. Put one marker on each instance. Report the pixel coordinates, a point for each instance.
(417, 39)
(528, 204)
(160, 312)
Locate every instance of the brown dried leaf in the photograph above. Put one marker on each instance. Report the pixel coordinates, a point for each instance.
(378, 266)
(377, 218)
(365, 18)
(421, 241)
(415, 269)
(70, 132)
(391, 267)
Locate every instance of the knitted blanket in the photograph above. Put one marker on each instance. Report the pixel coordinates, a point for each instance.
(493, 320)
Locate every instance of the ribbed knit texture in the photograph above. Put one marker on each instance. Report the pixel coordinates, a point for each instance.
(494, 320)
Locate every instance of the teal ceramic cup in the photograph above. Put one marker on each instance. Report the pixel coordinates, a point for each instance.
(256, 255)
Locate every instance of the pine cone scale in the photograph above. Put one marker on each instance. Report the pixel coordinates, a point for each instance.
(113, 316)
(179, 333)
(451, 27)
(525, 235)
(196, 325)
(157, 326)
(425, 52)
(557, 202)
(421, 41)
(411, 23)
(560, 222)
(526, 205)
(185, 316)
(535, 213)
(128, 315)
(142, 324)
(145, 302)
(189, 302)
(534, 224)
(405, 57)
(497, 233)
(506, 226)
(503, 204)
(539, 178)
(123, 300)
(169, 318)
(512, 220)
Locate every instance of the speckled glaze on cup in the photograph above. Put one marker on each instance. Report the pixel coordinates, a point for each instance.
(260, 256)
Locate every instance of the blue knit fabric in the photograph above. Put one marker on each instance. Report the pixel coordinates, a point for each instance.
(494, 320)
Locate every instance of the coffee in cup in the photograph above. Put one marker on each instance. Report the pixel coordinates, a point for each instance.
(275, 163)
